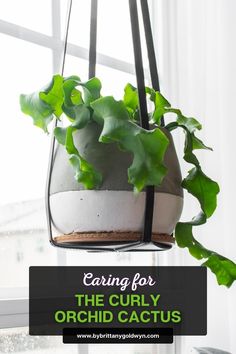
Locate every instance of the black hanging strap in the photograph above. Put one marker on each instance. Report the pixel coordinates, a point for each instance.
(144, 120)
(150, 45)
(52, 146)
(150, 48)
(138, 64)
(93, 38)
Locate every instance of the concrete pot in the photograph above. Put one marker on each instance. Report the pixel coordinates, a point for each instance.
(113, 208)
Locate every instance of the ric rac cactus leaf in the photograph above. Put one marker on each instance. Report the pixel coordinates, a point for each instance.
(148, 147)
(223, 268)
(92, 90)
(85, 173)
(205, 190)
(72, 96)
(202, 188)
(41, 113)
(130, 97)
(53, 95)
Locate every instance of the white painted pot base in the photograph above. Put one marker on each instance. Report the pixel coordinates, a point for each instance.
(111, 211)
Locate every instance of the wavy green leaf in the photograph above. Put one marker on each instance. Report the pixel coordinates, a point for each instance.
(198, 144)
(41, 113)
(85, 173)
(131, 97)
(72, 96)
(222, 267)
(131, 102)
(60, 135)
(79, 116)
(189, 156)
(92, 90)
(53, 95)
(162, 106)
(205, 190)
(148, 147)
(82, 116)
(160, 103)
(77, 110)
(191, 124)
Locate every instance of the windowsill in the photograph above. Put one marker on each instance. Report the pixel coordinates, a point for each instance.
(14, 313)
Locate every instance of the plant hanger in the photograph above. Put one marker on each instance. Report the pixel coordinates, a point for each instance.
(146, 237)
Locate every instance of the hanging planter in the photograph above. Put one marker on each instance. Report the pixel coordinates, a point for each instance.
(109, 153)
(112, 212)
(114, 180)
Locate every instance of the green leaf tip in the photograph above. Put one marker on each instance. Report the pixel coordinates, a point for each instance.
(41, 113)
(85, 173)
(203, 188)
(53, 95)
(223, 268)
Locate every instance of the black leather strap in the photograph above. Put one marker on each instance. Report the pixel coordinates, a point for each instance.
(150, 45)
(138, 64)
(93, 38)
(150, 49)
(144, 120)
(52, 146)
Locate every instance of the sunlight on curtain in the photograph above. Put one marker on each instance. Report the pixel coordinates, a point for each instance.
(197, 59)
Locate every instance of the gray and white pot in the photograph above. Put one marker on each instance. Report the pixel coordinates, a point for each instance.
(112, 214)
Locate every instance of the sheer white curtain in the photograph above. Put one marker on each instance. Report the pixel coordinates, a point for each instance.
(196, 45)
